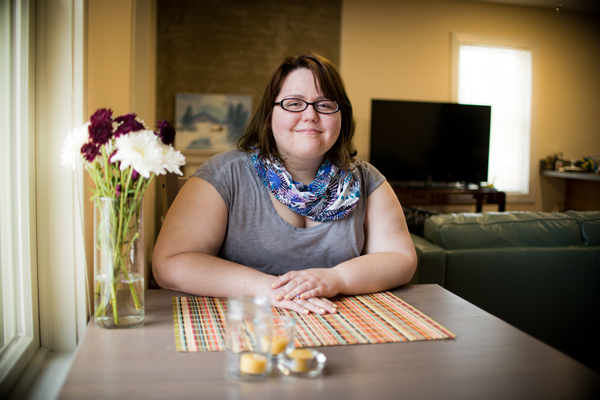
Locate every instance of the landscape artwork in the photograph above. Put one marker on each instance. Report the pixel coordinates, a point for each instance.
(210, 121)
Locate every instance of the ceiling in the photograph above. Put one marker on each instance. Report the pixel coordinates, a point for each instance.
(567, 6)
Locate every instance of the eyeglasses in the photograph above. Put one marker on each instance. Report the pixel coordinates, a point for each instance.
(297, 105)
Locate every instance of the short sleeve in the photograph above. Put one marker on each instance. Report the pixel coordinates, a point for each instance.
(223, 172)
(370, 176)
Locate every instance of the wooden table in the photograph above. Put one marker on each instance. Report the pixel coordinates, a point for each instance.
(489, 359)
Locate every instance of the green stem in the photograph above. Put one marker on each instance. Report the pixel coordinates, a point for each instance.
(135, 211)
(136, 300)
(118, 242)
(113, 300)
(118, 222)
(98, 296)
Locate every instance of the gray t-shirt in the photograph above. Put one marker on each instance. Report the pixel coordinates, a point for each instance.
(259, 238)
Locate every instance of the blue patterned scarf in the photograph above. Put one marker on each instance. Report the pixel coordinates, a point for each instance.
(332, 195)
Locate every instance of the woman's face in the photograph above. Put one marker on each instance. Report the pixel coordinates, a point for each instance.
(305, 135)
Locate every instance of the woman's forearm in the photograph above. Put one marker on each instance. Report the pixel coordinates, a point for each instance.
(375, 272)
(207, 275)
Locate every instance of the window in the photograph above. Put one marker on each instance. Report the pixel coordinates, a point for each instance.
(500, 72)
(42, 45)
(18, 299)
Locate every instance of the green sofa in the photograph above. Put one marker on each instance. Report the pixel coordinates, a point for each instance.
(537, 271)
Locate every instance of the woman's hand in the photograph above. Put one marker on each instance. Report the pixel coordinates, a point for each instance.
(318, 305)
(308, 284)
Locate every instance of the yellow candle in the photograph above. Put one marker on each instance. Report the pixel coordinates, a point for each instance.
(278, 344)
(301, 360)
(253, 363)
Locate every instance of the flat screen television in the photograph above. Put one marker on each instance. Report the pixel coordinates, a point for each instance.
(430, 144)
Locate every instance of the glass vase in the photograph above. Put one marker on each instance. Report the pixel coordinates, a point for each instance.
(118, 263)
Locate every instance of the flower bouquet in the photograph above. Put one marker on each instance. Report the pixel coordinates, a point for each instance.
(122, 157)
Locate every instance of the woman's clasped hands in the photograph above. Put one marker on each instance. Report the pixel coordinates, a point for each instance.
(308, 290)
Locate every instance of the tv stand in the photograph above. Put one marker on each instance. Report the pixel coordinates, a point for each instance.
(426, 185)
(419, 196)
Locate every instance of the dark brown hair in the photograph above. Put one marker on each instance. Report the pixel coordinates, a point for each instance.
(259, 133)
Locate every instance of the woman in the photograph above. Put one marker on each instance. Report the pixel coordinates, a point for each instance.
(290, 214)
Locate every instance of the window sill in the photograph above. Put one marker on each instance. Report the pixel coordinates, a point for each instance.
(44, 376)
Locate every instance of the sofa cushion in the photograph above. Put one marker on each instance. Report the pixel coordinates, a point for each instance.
(506, 229)
(431, 267)
(561, 300)
(549, 293)
(589, 222)
(489, 278)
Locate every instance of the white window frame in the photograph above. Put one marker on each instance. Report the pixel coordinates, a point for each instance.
(60, 104)
(532, 45)
(48, 102)
(17, 165)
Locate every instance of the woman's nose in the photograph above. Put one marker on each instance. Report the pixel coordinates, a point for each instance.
(310, 114)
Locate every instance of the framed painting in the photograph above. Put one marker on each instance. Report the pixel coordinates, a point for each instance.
(210, 123)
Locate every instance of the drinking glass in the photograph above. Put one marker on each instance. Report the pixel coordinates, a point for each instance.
(283, 329)
(248, 338)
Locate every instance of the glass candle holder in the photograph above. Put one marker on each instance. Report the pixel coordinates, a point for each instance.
(305, 363)
(248, 338)
(283, 329)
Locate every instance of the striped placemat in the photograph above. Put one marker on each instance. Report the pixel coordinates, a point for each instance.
(372, 318)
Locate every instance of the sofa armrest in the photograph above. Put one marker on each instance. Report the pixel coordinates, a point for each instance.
(431, 267)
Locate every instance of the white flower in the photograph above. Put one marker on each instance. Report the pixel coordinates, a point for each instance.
(172, 160)
(71, 151)
(141, 150)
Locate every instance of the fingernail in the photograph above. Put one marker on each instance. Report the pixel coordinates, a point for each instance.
(322, 310)
(334, 310)
(278, 297)
(287, 296)
(272, 285)
(334, 306)
(301, 297)
(306, 311)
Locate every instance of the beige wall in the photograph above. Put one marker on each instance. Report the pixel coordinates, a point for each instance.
(232, 47)
(109, 55)
(121, 76)
(400, 49)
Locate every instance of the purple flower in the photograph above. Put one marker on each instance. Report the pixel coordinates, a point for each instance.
(128, 123)
(135, 175)
(166, 132)
(101, 126)
(90, 151)
(118, 191)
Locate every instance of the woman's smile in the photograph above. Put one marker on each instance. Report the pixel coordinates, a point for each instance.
(308, 131)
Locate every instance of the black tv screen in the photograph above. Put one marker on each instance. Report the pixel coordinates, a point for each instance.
(425, 143)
